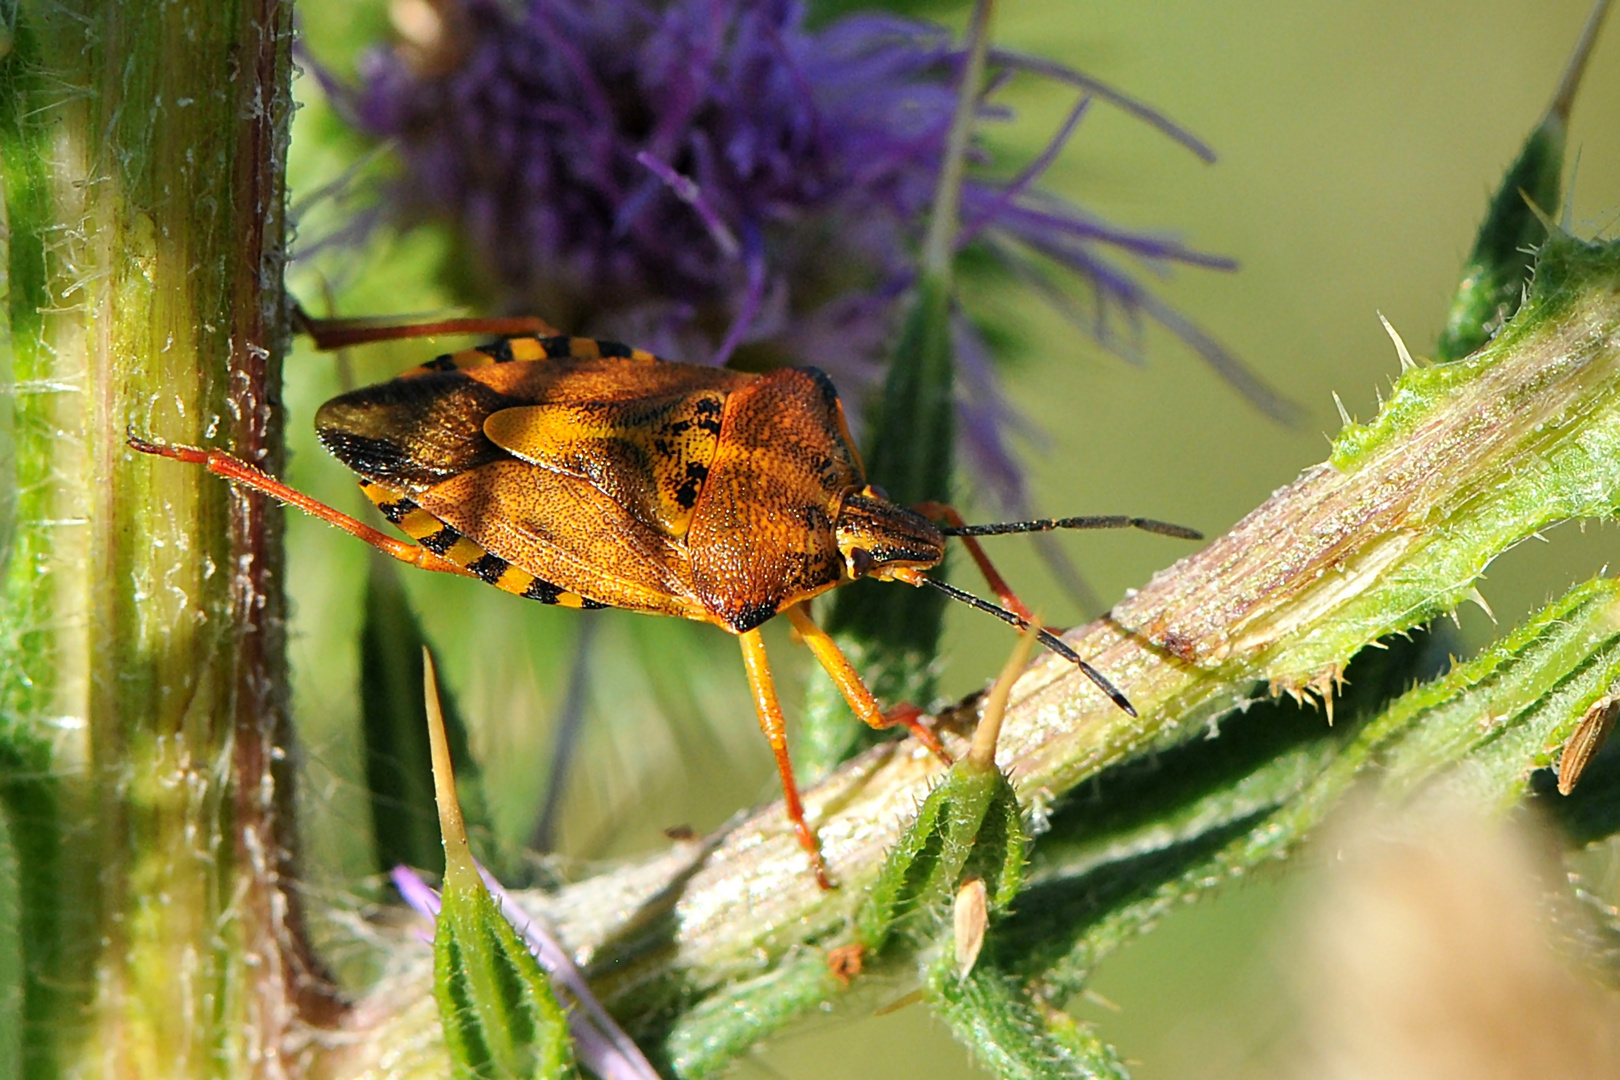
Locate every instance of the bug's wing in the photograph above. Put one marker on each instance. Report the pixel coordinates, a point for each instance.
(420, 429)
(567, 533)
(762, 535)
(650, 455)
(412, 433)
(421, 438)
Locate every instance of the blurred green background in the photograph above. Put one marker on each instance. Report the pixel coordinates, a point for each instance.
(1358, 143)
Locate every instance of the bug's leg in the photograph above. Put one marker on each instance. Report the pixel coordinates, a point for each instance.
(332, 334)
(853, 687)
(233, 468)
(774, 725)
(937, 511)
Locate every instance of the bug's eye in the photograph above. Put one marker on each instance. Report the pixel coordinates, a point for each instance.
(877, 492)
(860, 561)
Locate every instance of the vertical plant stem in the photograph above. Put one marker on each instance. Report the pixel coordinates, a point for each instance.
(141, 650)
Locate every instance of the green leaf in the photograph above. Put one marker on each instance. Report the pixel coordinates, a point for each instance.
(969, 826)
(501, 1019)
(1011, 1035)
(722, 1027)
(1498, 268)
(500, 1016)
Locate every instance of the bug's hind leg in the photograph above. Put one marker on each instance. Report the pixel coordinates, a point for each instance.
(234, 468)
(774, 725)
(853, 687)
(331, 334)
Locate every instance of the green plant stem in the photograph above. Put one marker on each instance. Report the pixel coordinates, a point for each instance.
(1484, 727)
(141, 621)
(1464, 461)
(1018, 1039)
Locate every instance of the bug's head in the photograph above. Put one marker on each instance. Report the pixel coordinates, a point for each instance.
(879, 539)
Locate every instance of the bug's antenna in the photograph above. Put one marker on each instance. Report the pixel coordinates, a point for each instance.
(1115, 521)
(1048, 639)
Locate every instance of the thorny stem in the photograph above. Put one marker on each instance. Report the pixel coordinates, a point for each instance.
(142, 150)
(1464, 460)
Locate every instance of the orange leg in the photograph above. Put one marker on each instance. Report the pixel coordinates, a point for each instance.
(937, 511)
(330, 334)
(851, 685)
(236, 469)
(774, 725)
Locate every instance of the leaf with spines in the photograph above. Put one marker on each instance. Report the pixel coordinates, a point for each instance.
(970, 827)
(1498, 269)
(1013, 1036)
(501, 1019)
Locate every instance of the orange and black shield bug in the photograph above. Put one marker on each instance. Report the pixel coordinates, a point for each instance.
(590, 474)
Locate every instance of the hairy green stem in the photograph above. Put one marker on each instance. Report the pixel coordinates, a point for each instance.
(1484, 727)
(142, 680)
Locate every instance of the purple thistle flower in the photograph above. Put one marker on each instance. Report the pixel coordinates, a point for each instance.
(709, 176)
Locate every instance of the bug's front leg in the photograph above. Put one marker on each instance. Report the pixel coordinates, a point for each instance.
(772, 722)
(853, 687)
(234, 468)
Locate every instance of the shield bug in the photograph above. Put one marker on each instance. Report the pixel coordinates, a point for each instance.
(590, 474)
